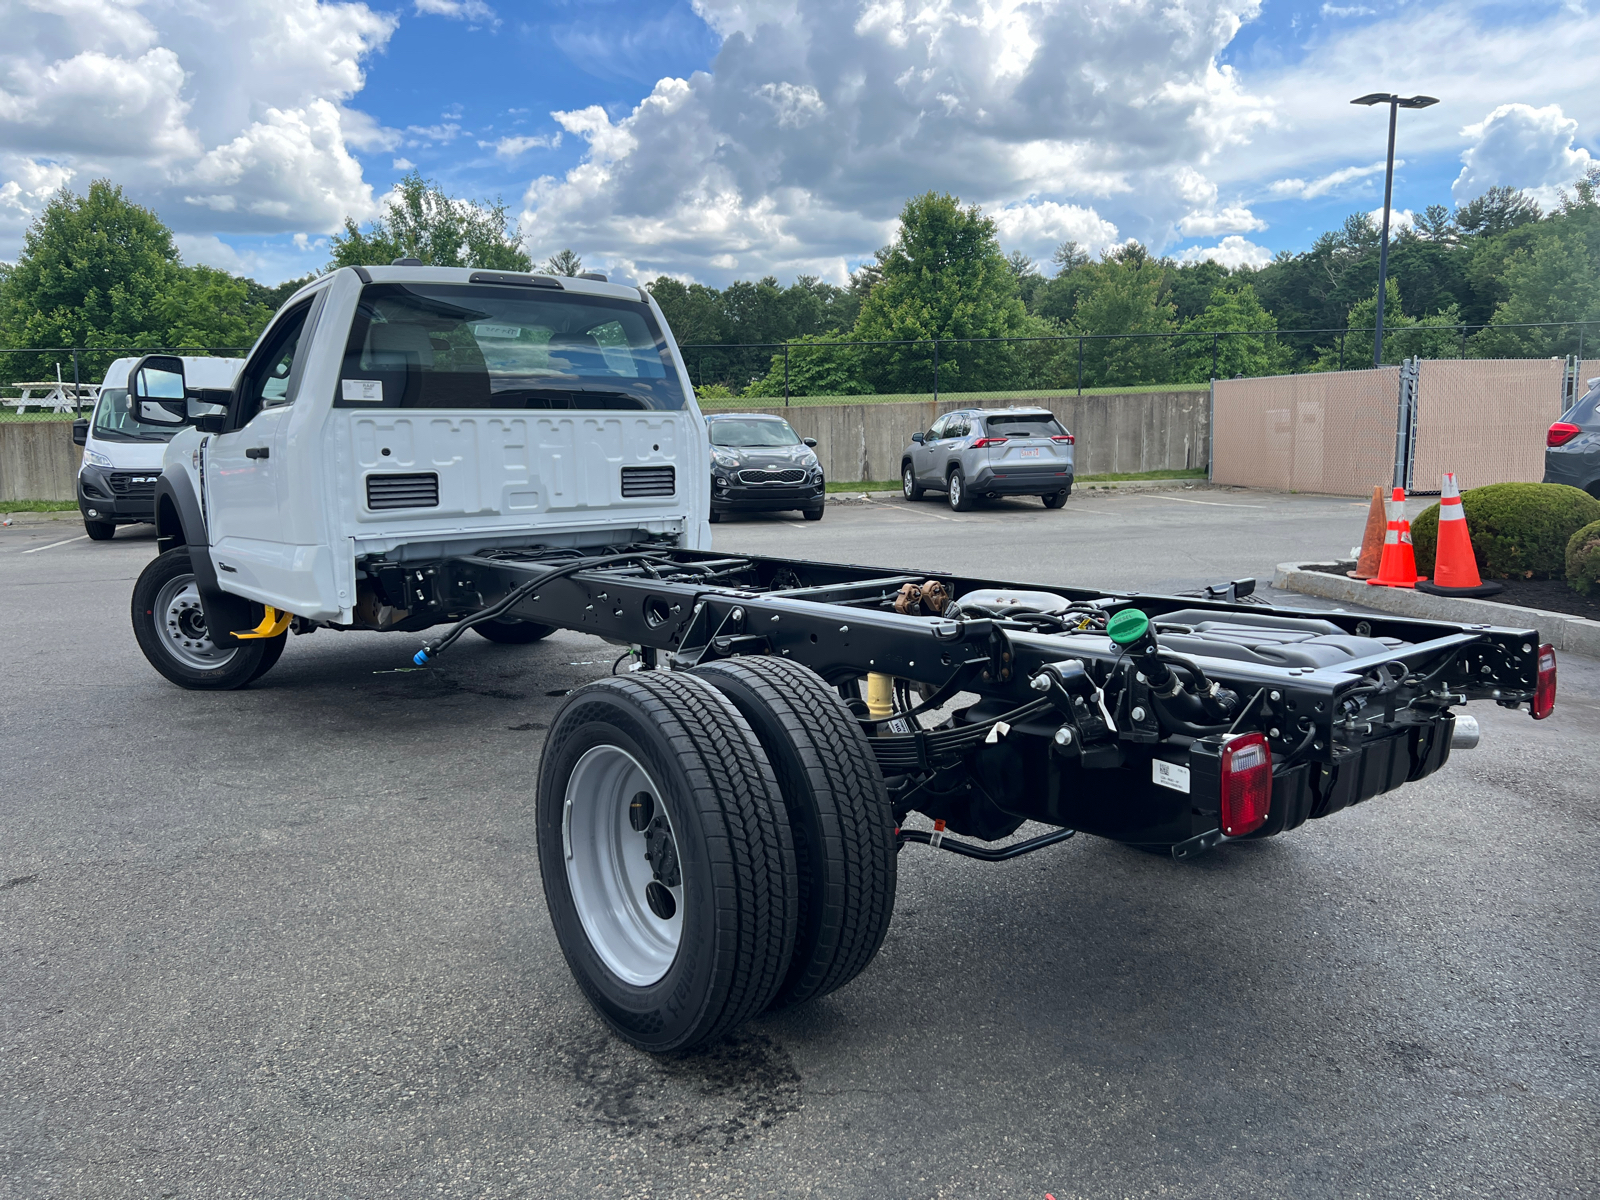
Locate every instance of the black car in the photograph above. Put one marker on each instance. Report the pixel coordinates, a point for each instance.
(1572, 447)
(760, 464)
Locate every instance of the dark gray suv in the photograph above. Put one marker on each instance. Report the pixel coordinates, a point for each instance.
(1572, 447)
(990, 452)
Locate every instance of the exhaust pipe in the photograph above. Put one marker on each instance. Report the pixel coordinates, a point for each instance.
(1465, 734)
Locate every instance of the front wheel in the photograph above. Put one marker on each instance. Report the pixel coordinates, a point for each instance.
(99, 531)
(513, 633)
(960, 501)
(668, 865)
(814, 514)
(909, 487)
(716, 517)
(170, 627)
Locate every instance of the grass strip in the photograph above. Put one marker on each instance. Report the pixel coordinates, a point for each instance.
(15, 506)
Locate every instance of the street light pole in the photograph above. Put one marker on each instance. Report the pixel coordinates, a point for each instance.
(1395, 103)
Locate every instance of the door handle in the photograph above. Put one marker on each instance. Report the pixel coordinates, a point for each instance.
(258, 452)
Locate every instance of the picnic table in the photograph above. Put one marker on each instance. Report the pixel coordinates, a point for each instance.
(50, 395)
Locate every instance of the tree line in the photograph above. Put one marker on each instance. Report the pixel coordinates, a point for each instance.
(99, 270)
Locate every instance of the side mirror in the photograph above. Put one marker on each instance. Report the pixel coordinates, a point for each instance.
(156, 392)
(80, 432)
(917, 438)
(812, 442)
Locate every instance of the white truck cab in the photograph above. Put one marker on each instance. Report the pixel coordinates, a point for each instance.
(402, 414)
(122, 455)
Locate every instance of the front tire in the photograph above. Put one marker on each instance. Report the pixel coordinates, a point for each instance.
(513, 633)
(839, 815)
(100, 531)
(170, 627)
(716, 517)
(668, 866)
(960, 500)
(813, 514)
(909, 487)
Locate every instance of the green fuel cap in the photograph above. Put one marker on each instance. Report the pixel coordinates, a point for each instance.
(1128, 626)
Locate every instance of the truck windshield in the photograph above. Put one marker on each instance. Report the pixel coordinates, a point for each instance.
(115, 422)
(423, 345)
(726, 431)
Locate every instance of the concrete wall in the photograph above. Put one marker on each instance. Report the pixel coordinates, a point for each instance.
(38, 461)
(1138, 431)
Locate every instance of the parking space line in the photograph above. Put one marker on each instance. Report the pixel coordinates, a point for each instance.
(83, 537)
(919, 512)
(1186, 500)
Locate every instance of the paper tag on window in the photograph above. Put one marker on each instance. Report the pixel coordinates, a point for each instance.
(363, 389)
(498, 331)
(1169, 775)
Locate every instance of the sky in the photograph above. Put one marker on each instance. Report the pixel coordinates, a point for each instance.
(721, 139)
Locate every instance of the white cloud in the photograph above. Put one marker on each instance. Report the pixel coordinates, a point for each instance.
(1299, 189)
(515, 147)
(427, 135)
(403, 164)
(227, 117)
(1524, 147)
(1231, 252)
(1351, 10)
(474, 12)
(1232, 219)
(1399, 218)
(818, 118)
(1038, 227)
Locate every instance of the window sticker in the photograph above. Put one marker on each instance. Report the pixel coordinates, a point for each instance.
(364, 389)
(498, 331)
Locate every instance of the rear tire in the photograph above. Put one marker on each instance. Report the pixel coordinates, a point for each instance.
(909, 487)
(682, 931)
(169, 625)
(960, 499)
(1055, 499)
(839, 815)
(100, 531)
(813, 514)
(513, 633)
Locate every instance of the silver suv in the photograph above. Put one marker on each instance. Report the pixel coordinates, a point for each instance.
(990, 452)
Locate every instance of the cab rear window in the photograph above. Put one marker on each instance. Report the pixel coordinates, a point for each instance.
(496, 347)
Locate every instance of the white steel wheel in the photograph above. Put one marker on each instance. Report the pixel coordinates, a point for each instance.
(622, 865)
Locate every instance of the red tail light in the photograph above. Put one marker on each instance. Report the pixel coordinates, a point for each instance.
(1063, 437)
(1544, 691)
(982, 442)
(1561, 433)
(1246, 784)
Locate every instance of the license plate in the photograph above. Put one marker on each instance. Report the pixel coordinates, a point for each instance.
(1028, 452)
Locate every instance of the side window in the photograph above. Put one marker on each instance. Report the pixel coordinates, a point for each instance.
(267, 375)
(957, 427)
(936, 430)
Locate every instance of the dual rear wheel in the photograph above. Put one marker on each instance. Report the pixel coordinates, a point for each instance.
(714, 844)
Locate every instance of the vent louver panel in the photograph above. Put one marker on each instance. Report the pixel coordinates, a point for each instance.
(403, 491)
(639, 482)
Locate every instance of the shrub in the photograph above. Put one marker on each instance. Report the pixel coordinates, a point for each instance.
(1583, 558)
(1519, 530)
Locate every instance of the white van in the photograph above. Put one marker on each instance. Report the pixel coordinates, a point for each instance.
(122, 454)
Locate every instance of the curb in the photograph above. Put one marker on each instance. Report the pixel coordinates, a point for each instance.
(1083, 489)
(1577, 634)
(37, 518)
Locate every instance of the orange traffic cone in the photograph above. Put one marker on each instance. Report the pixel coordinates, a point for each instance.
(1455, 569)
(1371, 540)
(1399, 565)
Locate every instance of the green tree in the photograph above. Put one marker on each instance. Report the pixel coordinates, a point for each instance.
(1247, 353)
(1126, 294)
(423, 222)
(943, 277)
(1436, 335)
(564, 262)
(205, 307)
(814, 370)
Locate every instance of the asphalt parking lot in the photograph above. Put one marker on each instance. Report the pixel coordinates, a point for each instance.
(290, 941)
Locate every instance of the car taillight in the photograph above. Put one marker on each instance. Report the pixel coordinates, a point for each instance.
(1561, 433)
(1063, 437)
(1246, 784)
(1544, 690)
(982, 442)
